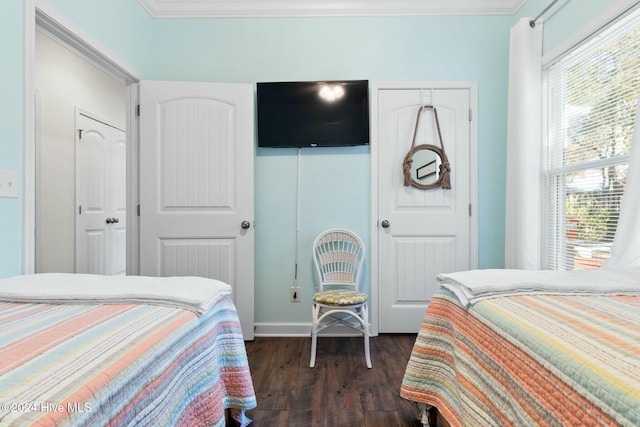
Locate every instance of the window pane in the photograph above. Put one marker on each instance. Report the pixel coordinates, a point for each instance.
(595, 97)
(592, 95)
(590, 215)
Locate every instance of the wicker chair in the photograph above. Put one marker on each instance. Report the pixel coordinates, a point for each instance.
(338, 256)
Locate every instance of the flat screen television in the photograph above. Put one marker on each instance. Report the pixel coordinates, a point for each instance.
(313, 114)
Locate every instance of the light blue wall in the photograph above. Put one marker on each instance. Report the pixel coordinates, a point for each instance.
(11, 133)
(122, 26)
(335, 184)
(334, 192)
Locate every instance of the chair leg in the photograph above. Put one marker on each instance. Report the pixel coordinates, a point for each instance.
(364, 317)
(366, 333)
(367, 355)
(314, 337)
(314, 342)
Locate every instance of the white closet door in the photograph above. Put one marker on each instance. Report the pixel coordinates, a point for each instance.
(117, 248)
(196, 185)
(426, 231)
(101, 197)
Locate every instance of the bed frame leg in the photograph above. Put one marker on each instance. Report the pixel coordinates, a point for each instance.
(427, 414)
(424, 414)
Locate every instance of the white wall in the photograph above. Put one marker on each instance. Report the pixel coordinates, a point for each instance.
(64, 81)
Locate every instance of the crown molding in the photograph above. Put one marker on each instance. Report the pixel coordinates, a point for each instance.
(320, 8)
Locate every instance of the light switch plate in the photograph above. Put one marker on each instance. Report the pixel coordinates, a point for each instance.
(9, 184)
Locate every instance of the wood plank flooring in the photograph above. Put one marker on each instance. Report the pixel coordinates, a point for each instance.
(339, 391)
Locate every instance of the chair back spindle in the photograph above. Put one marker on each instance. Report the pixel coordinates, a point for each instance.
(338, 257)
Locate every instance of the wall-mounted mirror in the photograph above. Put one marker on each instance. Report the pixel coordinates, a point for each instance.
(426, 163)
(426, 166)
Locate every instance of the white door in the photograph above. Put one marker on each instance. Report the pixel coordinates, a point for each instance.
(101, 217)
(117, 253)
(421, 233)
(196, 185)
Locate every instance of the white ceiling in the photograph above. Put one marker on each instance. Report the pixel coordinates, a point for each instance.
(292, 8)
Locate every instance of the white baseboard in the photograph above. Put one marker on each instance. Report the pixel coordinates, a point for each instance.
(282, 329)
(299, 330)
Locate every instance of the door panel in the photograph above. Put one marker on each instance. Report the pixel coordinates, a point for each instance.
(196, 185)
(429, 229)
(196, 155)
(201, 257)
(100, 195)
(417, 259)
(117, 255)
(92, 252)
(92, 167)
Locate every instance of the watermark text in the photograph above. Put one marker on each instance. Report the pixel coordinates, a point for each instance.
(44, 407)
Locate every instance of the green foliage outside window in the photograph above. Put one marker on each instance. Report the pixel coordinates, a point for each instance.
(601, 99)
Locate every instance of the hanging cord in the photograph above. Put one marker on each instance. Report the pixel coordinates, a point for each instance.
(295, 273)
(444, 178)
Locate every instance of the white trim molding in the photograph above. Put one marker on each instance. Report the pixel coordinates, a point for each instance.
(310, 8)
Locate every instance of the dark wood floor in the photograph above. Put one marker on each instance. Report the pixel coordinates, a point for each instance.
(339, 391)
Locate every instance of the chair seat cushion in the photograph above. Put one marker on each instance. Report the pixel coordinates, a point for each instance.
(340, 297)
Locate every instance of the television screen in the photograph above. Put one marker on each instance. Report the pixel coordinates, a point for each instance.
(313, 114)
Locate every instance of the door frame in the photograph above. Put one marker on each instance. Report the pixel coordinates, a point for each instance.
(38, 14)
(375, 87)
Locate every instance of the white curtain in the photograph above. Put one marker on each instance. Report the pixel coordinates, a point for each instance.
(625, 253)
(524, 173)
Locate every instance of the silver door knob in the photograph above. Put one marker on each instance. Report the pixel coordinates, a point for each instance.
(385, 223)
(245, 225)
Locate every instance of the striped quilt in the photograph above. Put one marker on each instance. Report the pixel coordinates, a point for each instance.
(529, 361)
(121, 364)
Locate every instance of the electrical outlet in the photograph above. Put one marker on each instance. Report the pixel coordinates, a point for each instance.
(295, 294)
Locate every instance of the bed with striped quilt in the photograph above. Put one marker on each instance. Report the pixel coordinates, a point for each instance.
(529, 360)
(122, 364)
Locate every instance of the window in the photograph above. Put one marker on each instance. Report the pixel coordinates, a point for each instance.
(591, 96)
